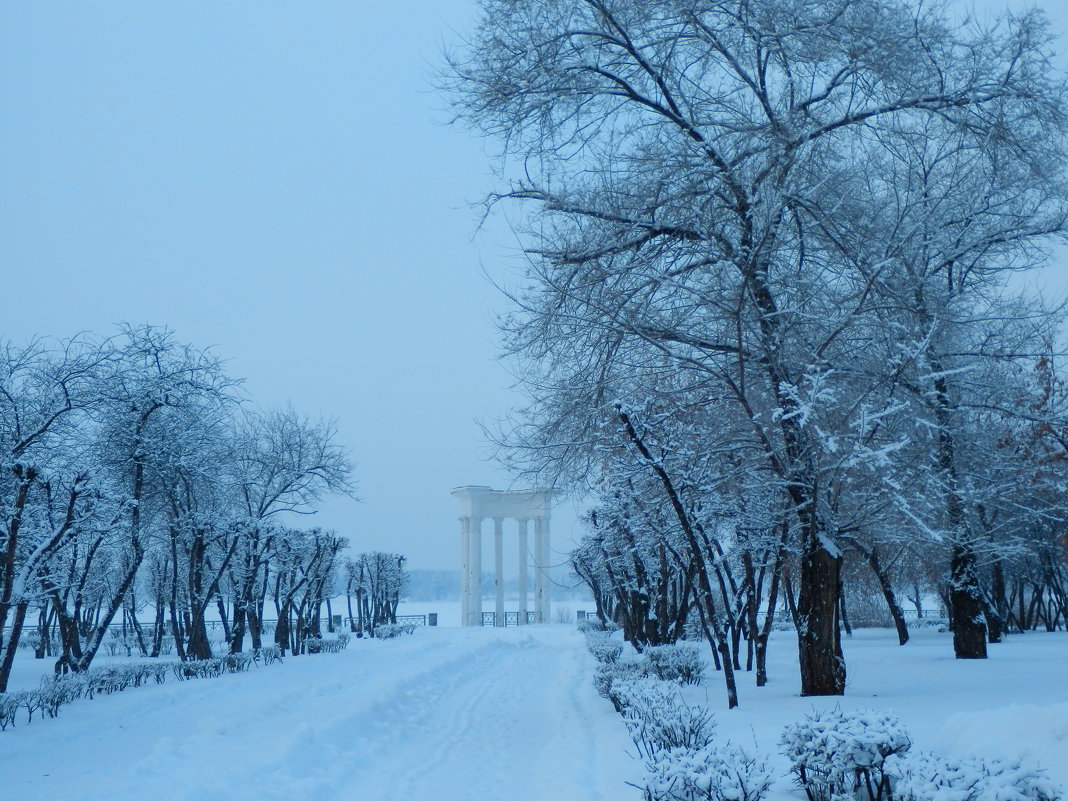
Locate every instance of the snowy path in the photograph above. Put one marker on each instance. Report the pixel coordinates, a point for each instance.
(444, 715)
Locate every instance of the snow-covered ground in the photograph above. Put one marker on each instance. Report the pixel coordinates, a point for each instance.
(442, 715)
(1013, 704)
(497, 715)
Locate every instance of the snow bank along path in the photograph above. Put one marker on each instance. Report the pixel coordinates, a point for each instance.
(443, 715)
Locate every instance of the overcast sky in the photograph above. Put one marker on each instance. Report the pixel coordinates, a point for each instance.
(274, 179)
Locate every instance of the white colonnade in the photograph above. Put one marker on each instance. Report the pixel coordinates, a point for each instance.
(481, 503)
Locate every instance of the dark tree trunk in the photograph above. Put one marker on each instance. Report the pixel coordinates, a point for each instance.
(136, 626)
(255, 628)
(965, 596)
(158, 627)
(44, 639)
(237, 629)
(969, 627)
(842, 611)
(999, 620)
(764, 634)
(7, 653)
(819, 640)
(224, 617)
(198, 646)
(883, 577)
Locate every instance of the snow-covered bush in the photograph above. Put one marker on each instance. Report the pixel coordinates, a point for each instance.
(658, 719)
(31, 639)
(710, 773)
(592, 624)
(604, 649)
(387, 631)
(326, 645)
(610, 676)
(117, 643)
(930, 777)
(680, 662)
(835, 753)
(237, 663)
(210, 668)
(10, 703)
(57, 691)
(198, 669)
(268, 654)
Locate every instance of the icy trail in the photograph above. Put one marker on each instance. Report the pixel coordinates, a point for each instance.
(444, 715)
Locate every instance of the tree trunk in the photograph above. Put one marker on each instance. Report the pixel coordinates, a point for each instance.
(198, 647)
(10, 645)
(764, 633)
(969, 628)
(965, 597)
(881, 575)
(237, 628)
(819, 640)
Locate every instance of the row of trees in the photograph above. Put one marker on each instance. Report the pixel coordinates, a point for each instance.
(131, 473)
(377, 581)
(767, 317)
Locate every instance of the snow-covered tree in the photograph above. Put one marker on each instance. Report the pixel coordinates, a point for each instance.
(697, 173)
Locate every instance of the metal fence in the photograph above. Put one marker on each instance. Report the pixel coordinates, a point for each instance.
(510, 618)
(339, 622)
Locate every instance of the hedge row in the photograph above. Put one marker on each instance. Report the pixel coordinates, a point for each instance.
(57, 691)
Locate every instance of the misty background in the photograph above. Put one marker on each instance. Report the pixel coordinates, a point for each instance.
(278, 181)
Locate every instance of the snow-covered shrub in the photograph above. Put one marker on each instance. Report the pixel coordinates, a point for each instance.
(11, 703)
(930, 777)
(710, 773)
(835, 753)
(210, 668)
(117, 643)
(269, 654)
(604, 649)
(680, 662)
(110, 679)
(387, 631)
(31, 640)
(237, 663)
(326, 645)
(59, 690)
(657, 718)
(592, 624)
(609, 677)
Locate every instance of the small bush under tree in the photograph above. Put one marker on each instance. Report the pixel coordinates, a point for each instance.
(835, 753)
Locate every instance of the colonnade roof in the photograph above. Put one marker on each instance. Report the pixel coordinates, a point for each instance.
(480, 501)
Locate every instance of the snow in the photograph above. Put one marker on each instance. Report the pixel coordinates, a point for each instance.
(1014, 704)
(442, 715)
(454, 714)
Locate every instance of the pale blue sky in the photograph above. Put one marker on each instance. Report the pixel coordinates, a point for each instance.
(272, 178)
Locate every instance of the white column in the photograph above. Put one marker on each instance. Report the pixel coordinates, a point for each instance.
(465, 571)
(547, 584)
(498, 570)
(475, 592)
(522, 571)
(539, 573)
